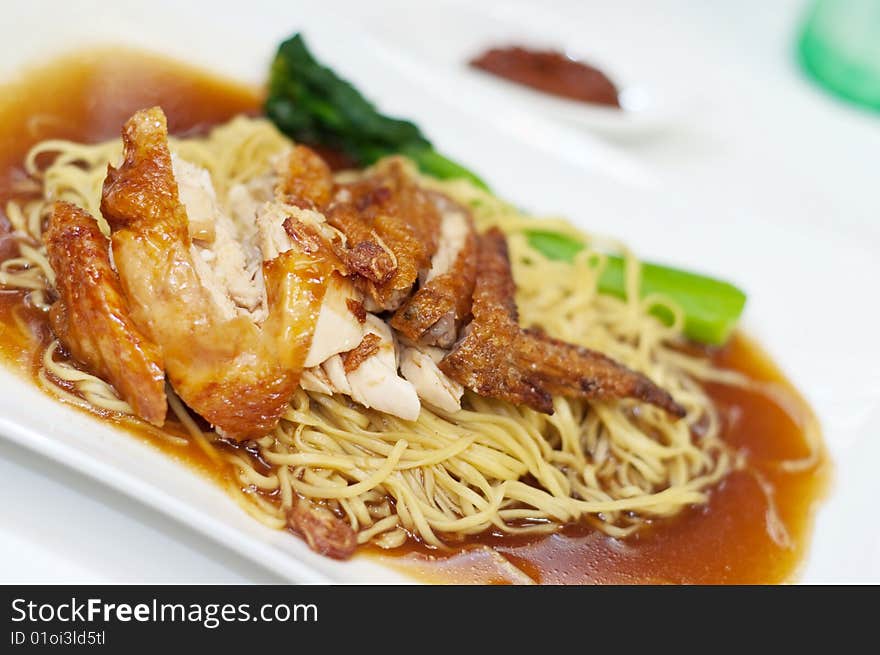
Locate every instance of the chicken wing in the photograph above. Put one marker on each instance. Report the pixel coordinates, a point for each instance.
(498, 359)
(238, 375)
(92, 318)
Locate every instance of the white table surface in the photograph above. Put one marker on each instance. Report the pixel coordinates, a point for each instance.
(761, 140)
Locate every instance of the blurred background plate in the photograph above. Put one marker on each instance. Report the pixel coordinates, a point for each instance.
(462, 30)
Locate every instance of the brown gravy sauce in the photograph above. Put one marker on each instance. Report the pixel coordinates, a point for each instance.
(550, 72)
(88, 96)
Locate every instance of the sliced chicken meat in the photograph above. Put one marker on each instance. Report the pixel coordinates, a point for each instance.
(227, 259)
(375, 382)
(316, 379)
(338, 328)
(368, 374)
(339, 325)
(419, 366)
(92, 317)
(245, 199)
(237, 374)
(196, 192)
(498, 359)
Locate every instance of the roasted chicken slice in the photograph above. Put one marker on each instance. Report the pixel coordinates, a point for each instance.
(341, 316)
(374, 380)
(237, 374)
(196, 192)
(368, 373)
(92, 317)
(433, 315)
(304, 179)
(498, 359)
(392, 226)
(338, 328)
(227, 260)
(418, 366)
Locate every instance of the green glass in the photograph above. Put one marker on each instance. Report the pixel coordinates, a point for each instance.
(840, 48)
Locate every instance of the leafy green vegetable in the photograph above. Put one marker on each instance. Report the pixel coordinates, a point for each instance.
(310, 103)
(711, 307)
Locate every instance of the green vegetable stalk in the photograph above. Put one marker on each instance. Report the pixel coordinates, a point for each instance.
(311, 104)
(711, 307)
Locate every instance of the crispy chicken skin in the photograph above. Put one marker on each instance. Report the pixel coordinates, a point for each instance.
(91, 316)
(324, 532)
(434, 313)
(369, 346)
(499, 359)
(387, 218)
(239, 376)
(391, 225)
(304, 179)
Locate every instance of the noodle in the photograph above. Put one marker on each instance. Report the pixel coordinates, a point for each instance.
(490, 466)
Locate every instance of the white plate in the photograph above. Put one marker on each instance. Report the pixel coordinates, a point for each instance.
(806, 304)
